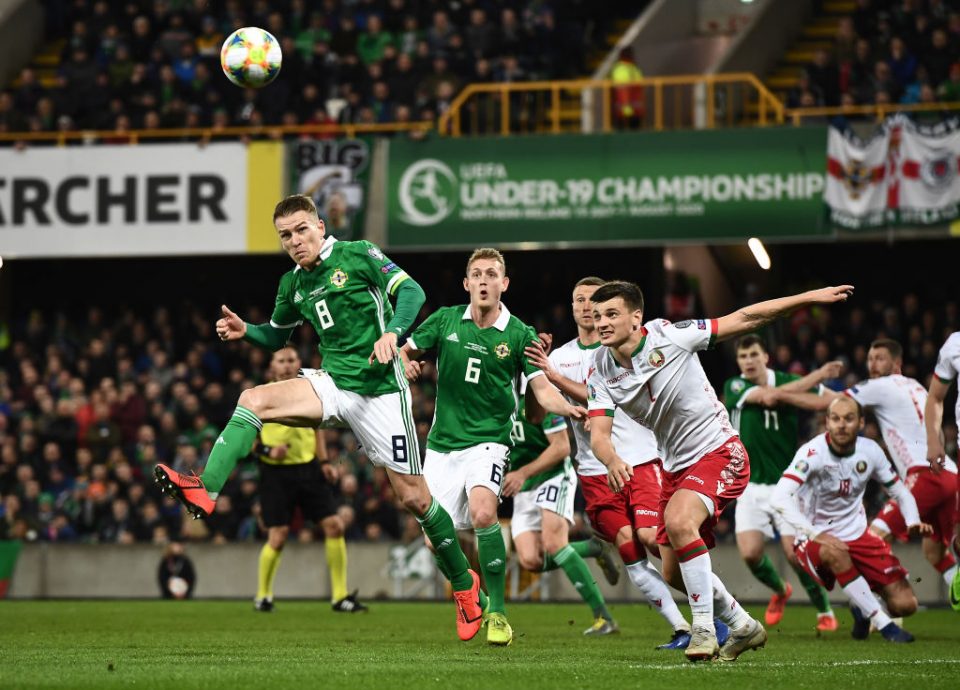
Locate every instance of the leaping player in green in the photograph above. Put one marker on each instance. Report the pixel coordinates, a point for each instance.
(341, 289)
(480, 362)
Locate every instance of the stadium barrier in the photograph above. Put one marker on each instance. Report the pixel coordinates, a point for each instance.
(229, 571)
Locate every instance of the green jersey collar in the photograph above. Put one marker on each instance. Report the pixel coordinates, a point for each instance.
(588, 347)
(643, 341)
(500, 324)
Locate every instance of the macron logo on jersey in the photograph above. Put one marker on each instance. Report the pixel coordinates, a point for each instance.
(453, 338)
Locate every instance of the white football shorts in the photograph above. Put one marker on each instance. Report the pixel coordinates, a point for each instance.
(556, 495)
(383, 424)
(754, 512)
(451, 476)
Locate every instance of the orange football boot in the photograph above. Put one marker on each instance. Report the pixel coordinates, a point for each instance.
(777, 603)
(469, 612)
(188, 489)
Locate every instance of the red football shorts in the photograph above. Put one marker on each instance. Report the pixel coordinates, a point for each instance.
(870, 554)
(721, 475)
(637, 505)
(936, 496)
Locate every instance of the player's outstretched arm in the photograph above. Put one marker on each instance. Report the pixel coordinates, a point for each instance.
(552, 400)
(933, 420)
(538, 355)
(266, 335)
(784, 501)
(758, 315)
(230, 326)
(830, 370)
(805, 401)
(601, 443)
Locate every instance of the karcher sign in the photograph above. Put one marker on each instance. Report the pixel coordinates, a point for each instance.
(125, 200)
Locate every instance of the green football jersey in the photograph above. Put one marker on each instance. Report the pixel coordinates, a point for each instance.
(530, 440)
(769, 434)
(478, 375)
(345, 299)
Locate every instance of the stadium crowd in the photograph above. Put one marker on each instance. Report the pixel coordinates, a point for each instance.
(887, 51)
(90, 402)
(130, 64)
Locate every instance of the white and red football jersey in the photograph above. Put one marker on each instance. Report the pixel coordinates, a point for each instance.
(898, 403)
(832, 486)
(666, 390)
(634, 443)
(948, 364)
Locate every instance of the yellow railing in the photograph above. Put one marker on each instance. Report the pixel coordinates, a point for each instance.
(205, 134)
(671, 102)
(876, 111)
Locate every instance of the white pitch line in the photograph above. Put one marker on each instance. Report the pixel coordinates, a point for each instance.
(800, 664)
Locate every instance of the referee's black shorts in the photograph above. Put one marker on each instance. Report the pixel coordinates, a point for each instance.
(284, 487)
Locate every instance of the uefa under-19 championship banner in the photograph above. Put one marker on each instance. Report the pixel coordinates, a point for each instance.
(907, 174)
(622, 188)
(152, 199)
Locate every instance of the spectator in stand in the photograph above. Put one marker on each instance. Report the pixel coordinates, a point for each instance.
(949, 90)
(903, 65)
(824, 75)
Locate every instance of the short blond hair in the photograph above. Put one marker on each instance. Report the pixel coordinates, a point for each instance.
(487, 253)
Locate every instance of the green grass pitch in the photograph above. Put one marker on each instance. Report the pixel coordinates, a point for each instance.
(209, 645)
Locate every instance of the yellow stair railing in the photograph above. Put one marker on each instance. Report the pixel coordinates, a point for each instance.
(877, 111)
(672, 102)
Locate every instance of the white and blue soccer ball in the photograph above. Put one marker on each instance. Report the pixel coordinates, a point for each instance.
(251, 57)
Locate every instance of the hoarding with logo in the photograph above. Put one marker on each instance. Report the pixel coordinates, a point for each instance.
(570, 190)
(334, 172)
(152, 199)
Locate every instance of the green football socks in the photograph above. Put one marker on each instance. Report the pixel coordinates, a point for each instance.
(233, 444)
(588, 548)
(438, 527)
(768, 575)
(579, 575)
(817, 594)
(493, 563)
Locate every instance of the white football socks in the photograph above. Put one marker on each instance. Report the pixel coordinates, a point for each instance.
(727, 608)
(649, 581)
(858, 591)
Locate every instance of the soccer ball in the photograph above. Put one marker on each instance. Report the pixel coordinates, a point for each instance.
(251, 57)
(178, 587)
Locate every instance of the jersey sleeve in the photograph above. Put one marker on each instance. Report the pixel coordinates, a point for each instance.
(285, 313)
(883, 471)
(553, 423)
(866, 393)
(377, 267)
(804, 464)
(692, 335)
(946, 369)
(530, 369)
(428, 332)
(599, 402)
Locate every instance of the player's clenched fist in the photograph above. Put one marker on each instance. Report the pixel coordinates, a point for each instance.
(231, 326)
